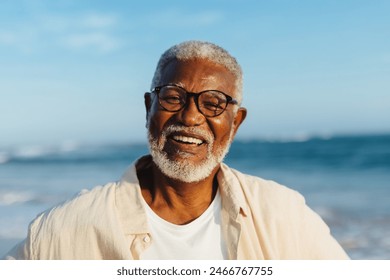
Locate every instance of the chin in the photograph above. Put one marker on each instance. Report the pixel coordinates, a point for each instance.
(180, 167)
(183, 169)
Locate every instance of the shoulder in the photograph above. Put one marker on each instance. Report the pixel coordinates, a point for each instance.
(274, 203)
(265, 199)
(259, 189)
(87, 207)
(93, 199)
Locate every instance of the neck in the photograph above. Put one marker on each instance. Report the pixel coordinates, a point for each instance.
(175, 201)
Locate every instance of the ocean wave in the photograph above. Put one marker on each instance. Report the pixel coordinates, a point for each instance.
(71, 153)
(36, 153)
(4, 158)
(300, 151)
(39, 151)
(295, 138)
(12, 197)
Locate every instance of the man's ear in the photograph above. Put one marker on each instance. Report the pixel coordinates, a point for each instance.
(239, 119)
(148, 104)
(148, 101)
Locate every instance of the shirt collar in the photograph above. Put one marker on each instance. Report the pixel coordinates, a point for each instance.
(129, 202)
(233, 199)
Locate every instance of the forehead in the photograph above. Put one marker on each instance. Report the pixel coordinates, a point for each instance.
(197, 75)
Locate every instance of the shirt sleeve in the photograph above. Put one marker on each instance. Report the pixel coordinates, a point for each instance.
(309, 237)
(316, 239)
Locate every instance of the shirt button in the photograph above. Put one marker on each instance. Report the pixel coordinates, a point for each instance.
(147, 239)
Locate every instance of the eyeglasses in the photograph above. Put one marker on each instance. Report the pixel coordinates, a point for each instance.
(210, 103)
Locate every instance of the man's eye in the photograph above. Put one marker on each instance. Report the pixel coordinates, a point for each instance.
(172, 99)
(212, 106)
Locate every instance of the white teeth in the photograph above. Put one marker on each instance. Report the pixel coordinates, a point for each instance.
(189, 140)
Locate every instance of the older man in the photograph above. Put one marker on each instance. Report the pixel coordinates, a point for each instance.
(182, 202)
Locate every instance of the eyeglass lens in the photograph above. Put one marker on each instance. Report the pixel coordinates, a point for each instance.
(210, 103)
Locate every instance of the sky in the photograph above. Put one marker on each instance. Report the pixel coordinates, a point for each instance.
(76, 71)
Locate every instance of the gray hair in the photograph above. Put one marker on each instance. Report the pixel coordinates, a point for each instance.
(200, 50)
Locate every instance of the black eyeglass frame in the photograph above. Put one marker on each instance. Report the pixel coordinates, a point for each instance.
(196, 95)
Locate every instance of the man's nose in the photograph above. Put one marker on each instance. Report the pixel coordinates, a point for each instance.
(190, 115)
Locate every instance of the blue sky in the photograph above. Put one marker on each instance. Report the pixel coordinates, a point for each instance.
(76, 71)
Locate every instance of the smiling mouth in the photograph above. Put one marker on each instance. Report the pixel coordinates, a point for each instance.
(188, 140)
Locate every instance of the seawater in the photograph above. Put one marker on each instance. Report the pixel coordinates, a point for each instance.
(345, 179)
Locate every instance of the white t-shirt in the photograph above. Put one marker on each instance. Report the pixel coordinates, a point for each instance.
(201, 239)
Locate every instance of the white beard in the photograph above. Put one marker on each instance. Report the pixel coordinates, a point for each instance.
(183, 170)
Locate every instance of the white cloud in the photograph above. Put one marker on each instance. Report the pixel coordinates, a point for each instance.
(92, 32)
(85, 21)
(94, 20)
(101, 42)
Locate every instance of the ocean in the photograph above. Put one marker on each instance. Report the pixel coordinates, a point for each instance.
(345, 179)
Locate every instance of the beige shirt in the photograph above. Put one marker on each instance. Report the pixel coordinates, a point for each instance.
(260, 220)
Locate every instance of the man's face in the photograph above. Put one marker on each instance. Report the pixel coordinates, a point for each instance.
(187, 141)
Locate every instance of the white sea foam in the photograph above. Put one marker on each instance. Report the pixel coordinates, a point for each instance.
(32, 151)
(298, 137)
(11, 197)
(4, 158)
(36, 151)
